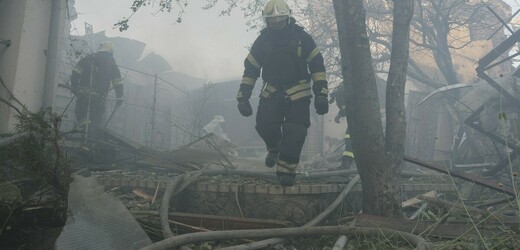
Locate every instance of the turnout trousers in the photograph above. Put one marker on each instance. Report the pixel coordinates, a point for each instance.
(95, 109)
(348, 156)
(283, 124)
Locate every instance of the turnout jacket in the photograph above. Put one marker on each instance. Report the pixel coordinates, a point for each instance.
(287, 59)
(93, 75)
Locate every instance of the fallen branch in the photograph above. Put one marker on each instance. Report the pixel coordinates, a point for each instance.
(199, 229)
(170, 243)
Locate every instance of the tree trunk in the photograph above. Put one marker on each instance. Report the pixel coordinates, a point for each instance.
(362, 104)
(395, 111)
(436, 28)
(379, 173)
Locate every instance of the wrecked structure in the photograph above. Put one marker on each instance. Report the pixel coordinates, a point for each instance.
(473, 109)
(154, 94)
(431, 137)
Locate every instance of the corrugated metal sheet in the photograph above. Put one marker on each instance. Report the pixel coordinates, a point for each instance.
(99, 220)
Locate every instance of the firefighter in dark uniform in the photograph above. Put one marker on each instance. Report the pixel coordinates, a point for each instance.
(90, 82)
(288, 59)
(347, 158)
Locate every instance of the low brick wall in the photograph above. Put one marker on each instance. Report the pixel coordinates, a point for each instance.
(298, 204)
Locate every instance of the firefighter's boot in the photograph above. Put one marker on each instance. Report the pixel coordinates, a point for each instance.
(271, 159)
(286, 179)
(290, 149)
(272, 156)
(286, 173)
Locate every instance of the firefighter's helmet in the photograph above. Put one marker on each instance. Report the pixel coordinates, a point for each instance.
(219, 119)
(107, 46)
(276, 13)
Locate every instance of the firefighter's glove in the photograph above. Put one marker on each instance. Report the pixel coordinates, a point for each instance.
(119, 101)
(321, 103)
(245, 108)
(337, 118)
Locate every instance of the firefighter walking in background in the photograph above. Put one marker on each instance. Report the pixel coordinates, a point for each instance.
(288, 59)
(347, 158)
(90, 82)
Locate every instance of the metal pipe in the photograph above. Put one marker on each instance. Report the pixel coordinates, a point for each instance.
(52, 53)
(153, 110)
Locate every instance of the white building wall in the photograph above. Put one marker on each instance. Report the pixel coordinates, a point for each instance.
(23, 65)
(11, 22)
(30, 69)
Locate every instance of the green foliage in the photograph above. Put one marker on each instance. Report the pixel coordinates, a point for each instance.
(250, 8)
(122, 25)
(35, 173)
(37, 155)
(163, 6)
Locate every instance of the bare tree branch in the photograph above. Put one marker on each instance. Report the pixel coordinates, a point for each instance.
(11, 95)
(10, 105)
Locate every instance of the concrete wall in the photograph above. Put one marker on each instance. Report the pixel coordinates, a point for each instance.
(23, 65)
(11, 17)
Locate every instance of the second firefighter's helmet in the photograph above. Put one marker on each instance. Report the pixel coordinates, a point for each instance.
(276, 13)
(107, 46)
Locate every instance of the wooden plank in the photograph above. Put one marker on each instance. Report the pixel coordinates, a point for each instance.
(217, 222)
(416, 200)
(416, 227)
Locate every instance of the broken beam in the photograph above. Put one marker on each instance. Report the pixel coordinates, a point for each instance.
(484, 214)
(461, 175)
(418, 227)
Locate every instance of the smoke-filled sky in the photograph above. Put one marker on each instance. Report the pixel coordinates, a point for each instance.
(203, 45)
